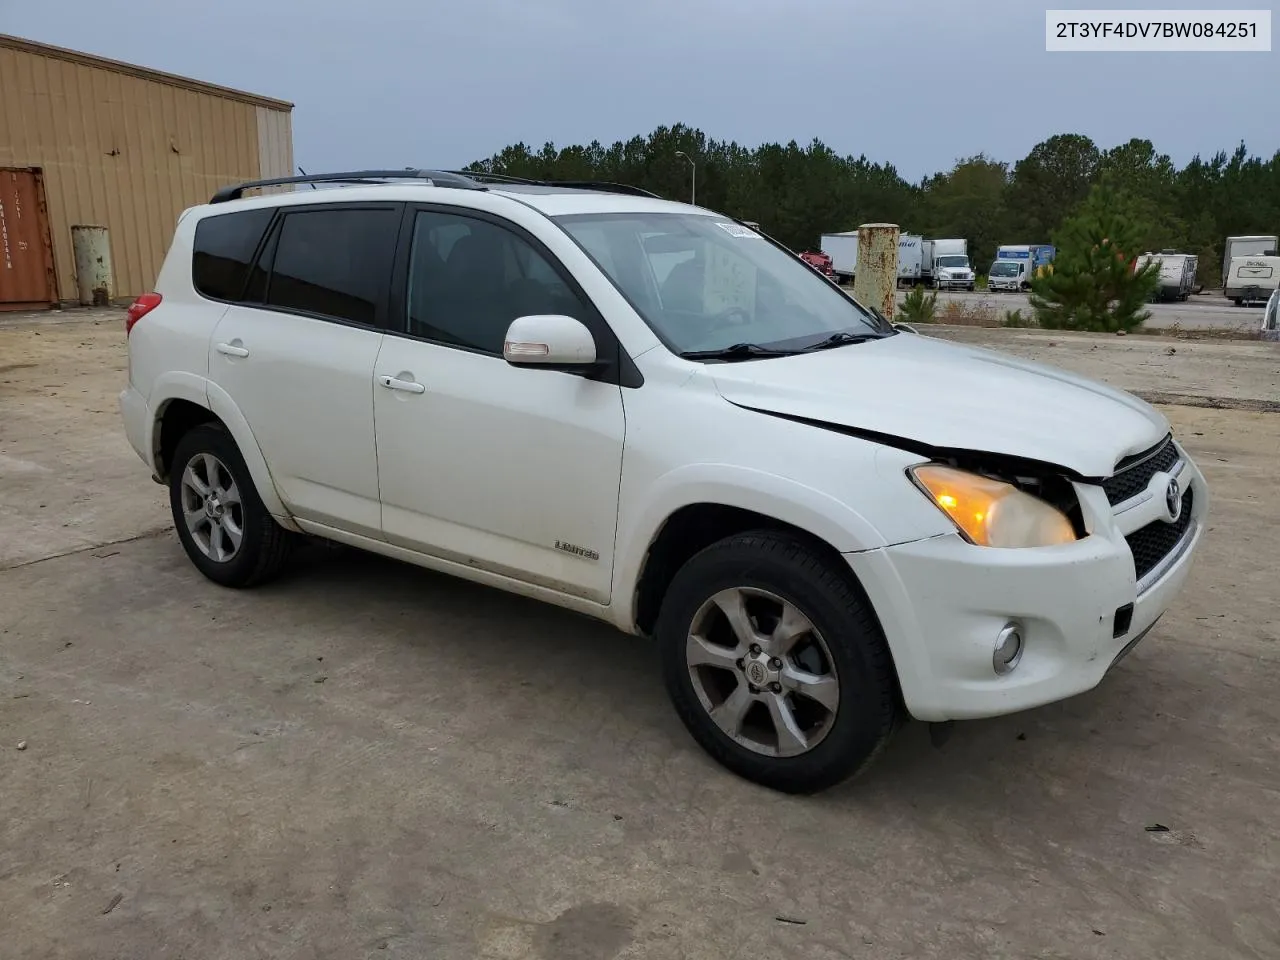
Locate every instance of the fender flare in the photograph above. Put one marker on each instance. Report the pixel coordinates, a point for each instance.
(225, 409)
(202, 392)
(168, 387)
(783, 499)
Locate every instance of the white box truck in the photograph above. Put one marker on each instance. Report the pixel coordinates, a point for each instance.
(951, 267)
(1251, 279)
(1247, 247)
(842, 248)
(1016, 264)
(910, 258)
(926, 262)
(1177, 273)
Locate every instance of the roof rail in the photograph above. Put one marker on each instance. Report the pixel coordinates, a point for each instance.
(482, 177)
(440, 178)
(603, 186)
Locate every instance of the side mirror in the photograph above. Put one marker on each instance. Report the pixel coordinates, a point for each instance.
(905, 328)
(549, 340)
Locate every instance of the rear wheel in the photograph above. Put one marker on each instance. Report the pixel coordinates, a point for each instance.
(776, 664)
(220, 519)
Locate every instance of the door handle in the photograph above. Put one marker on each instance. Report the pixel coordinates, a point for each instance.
(231, 350)
(409, 386)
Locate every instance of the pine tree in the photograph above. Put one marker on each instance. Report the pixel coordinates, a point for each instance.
(1093, 283)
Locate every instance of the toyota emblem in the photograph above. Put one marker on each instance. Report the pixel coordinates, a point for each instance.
(1173, 500)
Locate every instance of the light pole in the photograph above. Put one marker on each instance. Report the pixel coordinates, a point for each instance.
(693, 177)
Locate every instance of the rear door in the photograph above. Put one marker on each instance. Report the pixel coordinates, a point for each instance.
(296, 355)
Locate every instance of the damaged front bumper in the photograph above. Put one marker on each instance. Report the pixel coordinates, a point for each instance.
(944, 604)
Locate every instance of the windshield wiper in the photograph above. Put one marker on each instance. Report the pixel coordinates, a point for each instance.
(842, 338)
(737, 351)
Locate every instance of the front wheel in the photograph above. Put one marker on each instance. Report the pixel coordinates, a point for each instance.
(222, 523)
(776, 664)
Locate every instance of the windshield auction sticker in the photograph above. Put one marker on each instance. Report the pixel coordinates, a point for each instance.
(738, 230)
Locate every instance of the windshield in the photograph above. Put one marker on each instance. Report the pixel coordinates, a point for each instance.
(952, 261)
(1004, 268)
(704, 283)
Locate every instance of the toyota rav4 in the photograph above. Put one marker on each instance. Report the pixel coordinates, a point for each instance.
(651, 414)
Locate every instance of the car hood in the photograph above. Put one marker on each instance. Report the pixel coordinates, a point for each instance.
(945, 396)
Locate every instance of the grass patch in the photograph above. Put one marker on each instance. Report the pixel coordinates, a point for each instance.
(1016, 318)
(918, 306)
(969, 313)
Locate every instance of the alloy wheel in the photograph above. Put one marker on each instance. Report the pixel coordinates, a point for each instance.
(212, 508)
(763, 672)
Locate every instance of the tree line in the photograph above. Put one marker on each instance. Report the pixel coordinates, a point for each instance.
(798, 193)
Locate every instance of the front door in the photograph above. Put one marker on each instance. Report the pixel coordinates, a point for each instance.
(512, 470)
(298, 359)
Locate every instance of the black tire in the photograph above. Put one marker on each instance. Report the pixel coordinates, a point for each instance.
(869, 704)
(265, 545)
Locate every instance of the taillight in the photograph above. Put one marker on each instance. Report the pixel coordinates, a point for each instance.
(139, 309)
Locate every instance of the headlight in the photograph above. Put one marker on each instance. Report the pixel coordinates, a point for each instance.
(992, 513)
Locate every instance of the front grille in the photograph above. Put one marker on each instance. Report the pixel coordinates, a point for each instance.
(1152, 543)
(1130, 481)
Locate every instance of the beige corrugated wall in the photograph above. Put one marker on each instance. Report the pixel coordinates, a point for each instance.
(129, 152)
(275, 143)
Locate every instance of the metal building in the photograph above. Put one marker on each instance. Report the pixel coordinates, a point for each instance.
(87, 142)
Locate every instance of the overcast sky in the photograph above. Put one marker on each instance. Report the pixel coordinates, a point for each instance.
(917, 83)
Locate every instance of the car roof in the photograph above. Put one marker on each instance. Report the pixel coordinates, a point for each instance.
(550, 199)
(561, 201)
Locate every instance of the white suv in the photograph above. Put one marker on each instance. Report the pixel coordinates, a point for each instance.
(649, 413)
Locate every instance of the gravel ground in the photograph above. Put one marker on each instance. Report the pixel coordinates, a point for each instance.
(368, 760)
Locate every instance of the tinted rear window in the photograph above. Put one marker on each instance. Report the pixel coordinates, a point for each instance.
(224, 247)
(334, 263)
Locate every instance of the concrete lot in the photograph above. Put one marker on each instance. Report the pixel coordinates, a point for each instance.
(1207, 311)
(368, 760)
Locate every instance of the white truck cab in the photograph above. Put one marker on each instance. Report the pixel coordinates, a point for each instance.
(650, 414)
(1016, 265)
(951, 267)
(1008, 275)
(953, 272)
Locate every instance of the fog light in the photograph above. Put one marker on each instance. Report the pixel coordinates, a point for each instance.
(1008, 649)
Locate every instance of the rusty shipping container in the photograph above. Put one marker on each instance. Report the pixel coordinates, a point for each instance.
(26, 249)
(127, 148)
